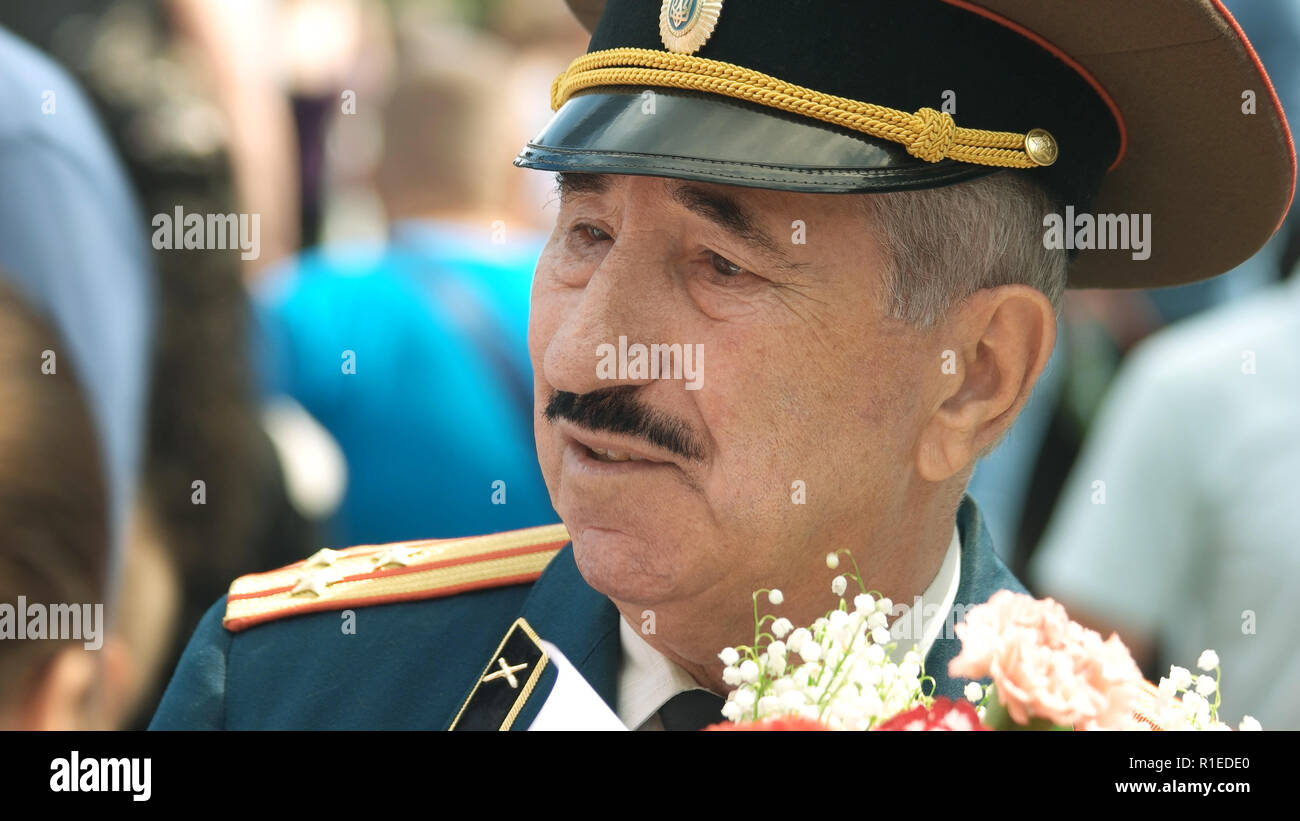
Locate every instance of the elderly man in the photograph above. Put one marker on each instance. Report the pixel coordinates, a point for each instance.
(859, 299)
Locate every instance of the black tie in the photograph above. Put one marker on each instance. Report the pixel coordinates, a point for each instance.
(692, 710)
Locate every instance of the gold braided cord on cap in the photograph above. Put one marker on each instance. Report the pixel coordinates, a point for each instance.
(928, 134)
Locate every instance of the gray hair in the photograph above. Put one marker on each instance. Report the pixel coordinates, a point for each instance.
(944, 244)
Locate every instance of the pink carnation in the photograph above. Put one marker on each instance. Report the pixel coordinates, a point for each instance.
(1046, 666)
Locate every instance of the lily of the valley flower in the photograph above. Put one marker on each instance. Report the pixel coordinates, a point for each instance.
(1198, 706)
(837, 670)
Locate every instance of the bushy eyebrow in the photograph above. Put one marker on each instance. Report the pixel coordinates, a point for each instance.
(722, 210)
(569, 183)
(731, 216)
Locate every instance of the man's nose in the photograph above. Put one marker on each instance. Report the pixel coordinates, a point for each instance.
(627, 296)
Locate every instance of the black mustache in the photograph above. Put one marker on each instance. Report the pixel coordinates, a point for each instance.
(616, 410)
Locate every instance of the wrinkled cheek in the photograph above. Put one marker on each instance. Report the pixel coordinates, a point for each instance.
(760, 480)
(541, 322)
(543, 319)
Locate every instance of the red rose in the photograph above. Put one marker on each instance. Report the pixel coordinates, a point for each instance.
(944, 715)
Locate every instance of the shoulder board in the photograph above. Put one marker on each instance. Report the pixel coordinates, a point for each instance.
(382, 574)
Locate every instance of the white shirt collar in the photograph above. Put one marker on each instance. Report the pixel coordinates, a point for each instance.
(646, 679)
(928, 613)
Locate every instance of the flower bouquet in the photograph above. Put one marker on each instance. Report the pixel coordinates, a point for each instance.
(1045, 672)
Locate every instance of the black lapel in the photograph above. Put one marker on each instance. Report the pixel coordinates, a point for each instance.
(565, 611)
(506, 684)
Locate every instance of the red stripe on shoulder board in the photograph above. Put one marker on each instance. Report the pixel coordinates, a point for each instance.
(504, 553)
(236, 625)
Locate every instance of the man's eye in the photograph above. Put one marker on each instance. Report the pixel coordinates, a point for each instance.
(592, 233)
(726, 267)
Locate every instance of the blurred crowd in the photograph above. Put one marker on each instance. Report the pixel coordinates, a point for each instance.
(354, 369)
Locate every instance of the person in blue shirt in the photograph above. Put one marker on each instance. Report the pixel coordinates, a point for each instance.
(414, 357)
(411, 351)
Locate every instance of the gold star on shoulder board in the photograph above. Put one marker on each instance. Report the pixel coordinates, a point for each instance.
(396, 555)
(313, 582)
(322, 558)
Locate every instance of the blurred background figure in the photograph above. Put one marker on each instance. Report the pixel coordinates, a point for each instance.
(411, 349)
(1177, 527)
(379, 134)
(72, 243)
(1017, 485)
(1174, 526)
(197, 120)
(54, 533)
(77, 291)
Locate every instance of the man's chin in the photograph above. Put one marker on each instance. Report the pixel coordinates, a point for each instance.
(626, 568)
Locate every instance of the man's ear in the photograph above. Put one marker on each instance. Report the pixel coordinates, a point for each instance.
(80, 689)
(995, 344)
(57, 699)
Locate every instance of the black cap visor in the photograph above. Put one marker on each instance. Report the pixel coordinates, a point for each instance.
(704, 137)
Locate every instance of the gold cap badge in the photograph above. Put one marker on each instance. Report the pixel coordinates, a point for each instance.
(685, 25)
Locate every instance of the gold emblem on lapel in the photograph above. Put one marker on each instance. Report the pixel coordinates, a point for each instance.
(507, 671)
(507, 681)
(684, 25)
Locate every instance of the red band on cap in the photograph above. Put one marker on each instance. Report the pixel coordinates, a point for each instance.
(1065, 58)
(1272, 93)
